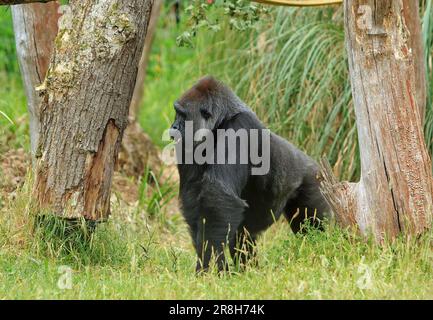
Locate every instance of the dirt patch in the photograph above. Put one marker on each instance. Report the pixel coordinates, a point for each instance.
(14, 165)
(137, 152)
(125, 188)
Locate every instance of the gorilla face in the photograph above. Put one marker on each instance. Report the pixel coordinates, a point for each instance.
(198, 114)
(203, 106)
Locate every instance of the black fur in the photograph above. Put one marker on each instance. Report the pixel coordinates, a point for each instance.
(224, 204)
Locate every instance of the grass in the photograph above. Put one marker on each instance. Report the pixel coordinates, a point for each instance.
(13, 117)
(133, 256)
(293, 73)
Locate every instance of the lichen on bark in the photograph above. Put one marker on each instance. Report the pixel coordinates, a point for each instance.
(85, 36)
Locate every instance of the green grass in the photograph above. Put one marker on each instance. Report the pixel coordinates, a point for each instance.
(293, 73)
(13, 117)
(133, 256)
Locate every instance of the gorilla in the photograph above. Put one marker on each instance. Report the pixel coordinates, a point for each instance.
(225, 204)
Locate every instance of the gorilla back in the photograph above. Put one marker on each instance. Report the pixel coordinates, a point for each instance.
(225, 203)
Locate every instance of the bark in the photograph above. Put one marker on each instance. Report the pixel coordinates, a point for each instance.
(394, 194)
(86, 97)
(35, 27)
(137, 150)
(416, 44)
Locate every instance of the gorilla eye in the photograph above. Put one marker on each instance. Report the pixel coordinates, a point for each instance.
(180, 112)
(205, 114)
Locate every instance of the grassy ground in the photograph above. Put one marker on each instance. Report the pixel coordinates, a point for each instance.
(133, 256)
(144, 250)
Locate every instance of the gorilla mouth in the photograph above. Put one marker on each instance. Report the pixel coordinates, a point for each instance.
(175, 141)
(174, 135)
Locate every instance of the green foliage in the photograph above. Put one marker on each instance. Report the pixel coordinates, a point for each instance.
(7, 42)
(241, 14)
(13, 117)
(13, 127)
(153, 196)
(59, 237)
(168, 74)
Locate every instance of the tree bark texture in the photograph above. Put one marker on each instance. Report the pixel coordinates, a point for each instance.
(416, 45)
(86, 97)
(394, 194)
(35, 27)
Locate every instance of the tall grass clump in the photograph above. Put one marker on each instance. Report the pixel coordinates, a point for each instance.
(125, 239)
(427, 32)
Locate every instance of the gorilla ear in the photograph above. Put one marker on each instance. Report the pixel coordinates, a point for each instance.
(207, 84)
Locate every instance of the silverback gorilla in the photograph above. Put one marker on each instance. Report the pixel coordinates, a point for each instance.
(224, 204)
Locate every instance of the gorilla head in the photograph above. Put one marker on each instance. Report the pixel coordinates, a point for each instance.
(207, 105)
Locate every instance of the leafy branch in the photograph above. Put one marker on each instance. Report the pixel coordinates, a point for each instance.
(241, 14)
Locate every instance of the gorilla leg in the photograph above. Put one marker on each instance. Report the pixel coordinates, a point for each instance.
(213, 234)
(222, 213)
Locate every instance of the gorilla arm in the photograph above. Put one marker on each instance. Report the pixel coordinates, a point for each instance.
(221, 212)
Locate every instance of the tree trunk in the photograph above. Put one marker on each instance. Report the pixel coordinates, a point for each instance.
(395, 191)
(137, 150)
(86, 97)
(35, 27)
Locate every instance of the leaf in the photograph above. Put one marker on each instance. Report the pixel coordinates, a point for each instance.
(6, 116)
